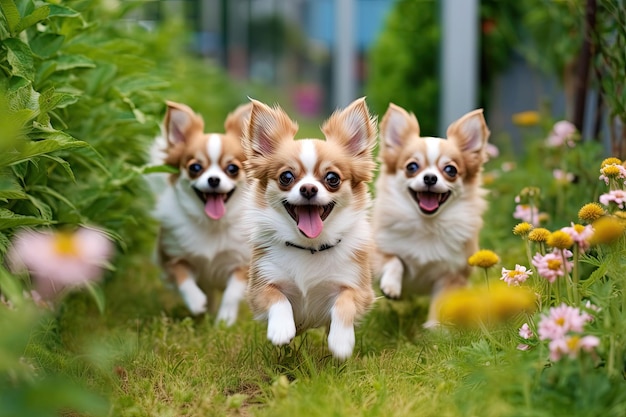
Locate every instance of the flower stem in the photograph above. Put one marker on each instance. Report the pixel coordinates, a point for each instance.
(486, 278)
(575, 275)
(566, 275)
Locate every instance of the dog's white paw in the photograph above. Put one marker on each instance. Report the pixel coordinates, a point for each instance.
(193, 296)
(281, 328)
(341, 340)
(229, 309)
(431, 324)
(391, 281)
(390, 286)
(227, 314)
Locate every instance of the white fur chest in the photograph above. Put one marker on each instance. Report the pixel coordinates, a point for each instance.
(428, 247)
(214, 247)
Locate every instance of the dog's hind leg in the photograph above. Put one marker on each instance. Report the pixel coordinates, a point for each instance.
(182, 274)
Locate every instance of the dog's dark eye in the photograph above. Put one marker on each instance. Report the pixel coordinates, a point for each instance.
(333, 180)
(232, 169)
(194, 168)
(286, 178)
(450, 170)
(412, 167)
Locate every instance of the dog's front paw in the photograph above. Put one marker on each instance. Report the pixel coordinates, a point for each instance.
(391, 286)
(281, 327)
(193, 296)
(227, 314)
(341, 340)
(391, 281)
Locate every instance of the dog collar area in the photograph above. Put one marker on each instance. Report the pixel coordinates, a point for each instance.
(322, 248)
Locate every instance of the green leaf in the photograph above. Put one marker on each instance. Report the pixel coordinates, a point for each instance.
(49, 100)
(50, 191)
(68, 62)
(47, 44)
(43, 208)
(10, 286)
(64, 164)
(35, 17)
(127, 85)
(10, 220)
(56, 10)
(11, 14)
(23, 99)
(10, 189)
(97, 294)
(20, 57)
(152, 169)
(46, 146)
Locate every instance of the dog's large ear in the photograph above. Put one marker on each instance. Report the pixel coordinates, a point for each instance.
(396, 125)
(237, 120)
(353, 127)
(266, 129)
(470, 132)
(179, 122)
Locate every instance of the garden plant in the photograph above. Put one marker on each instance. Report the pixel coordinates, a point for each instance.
(88, 328)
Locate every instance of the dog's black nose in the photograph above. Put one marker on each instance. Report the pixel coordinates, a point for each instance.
(214, 182)
(430, 179)
(308, 191)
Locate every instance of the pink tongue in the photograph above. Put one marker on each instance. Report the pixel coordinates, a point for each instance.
(309, 221)
(214, 207)
(429, 201)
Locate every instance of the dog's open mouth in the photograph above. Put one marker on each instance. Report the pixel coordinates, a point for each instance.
(214, 203)
(309, 218)
(428, 201)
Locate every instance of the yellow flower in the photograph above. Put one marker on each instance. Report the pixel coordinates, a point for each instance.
(526, 118)
(560, 240)
(611, 161)
(522, 229)
(607, 229)
(590, 212)
(468, 307)
(539, 234)
(483, 258)
(610, 171)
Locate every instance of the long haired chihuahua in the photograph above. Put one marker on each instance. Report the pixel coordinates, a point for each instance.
(202, 244)
(429, 204)
(309, 224)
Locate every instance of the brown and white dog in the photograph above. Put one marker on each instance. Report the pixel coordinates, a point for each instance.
(202, 244)
(309, 224)
(429, 204)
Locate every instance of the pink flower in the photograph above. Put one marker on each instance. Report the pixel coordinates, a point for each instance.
(492, 150)
(571, 346)
(525, 331)
(57, 260)
(561, 134)
(525, 213)
(515, 276)
(550, 266)
(580, 234)
(562, 176)
(523, 346)
(561, 320)
(616, 196)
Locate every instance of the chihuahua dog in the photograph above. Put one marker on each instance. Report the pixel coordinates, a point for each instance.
(202, 245)
(429, 204)
(310, 232)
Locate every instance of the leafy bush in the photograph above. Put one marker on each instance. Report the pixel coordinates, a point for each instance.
(81, 98)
